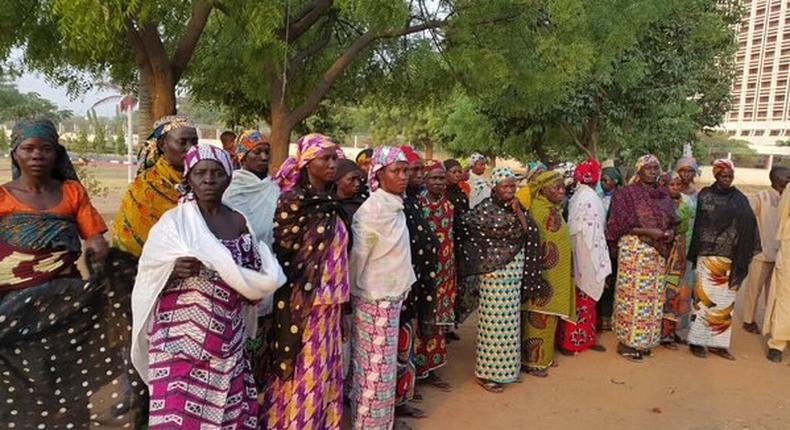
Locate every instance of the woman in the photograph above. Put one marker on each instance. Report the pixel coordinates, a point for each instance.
(381, 275)
(348, 186)
(524, 194)
(611, 181)
(201, 274)
(153, 191)
(439, 212)
(63, 342)
(311, 242)
(457, 196)
(725, 240)
(687, 168)
(364, 162)
(481, 188)
(543, 313)
(642, 223)
(678, 292)
(500, 258)
(591, 264)
(251, 191)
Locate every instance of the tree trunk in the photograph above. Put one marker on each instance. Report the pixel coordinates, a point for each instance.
(144, 120)
(428, 145)
(280, 139)
(163, 99)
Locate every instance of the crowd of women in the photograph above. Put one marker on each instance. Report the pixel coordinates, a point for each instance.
(230, 298)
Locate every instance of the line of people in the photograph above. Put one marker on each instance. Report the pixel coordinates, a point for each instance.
(270, 302)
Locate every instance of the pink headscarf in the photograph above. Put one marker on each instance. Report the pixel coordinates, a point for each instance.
(197, 154)
(721, 165)
(308, 148)
(382, 157)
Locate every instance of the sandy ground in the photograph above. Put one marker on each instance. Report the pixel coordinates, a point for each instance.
(673, 390)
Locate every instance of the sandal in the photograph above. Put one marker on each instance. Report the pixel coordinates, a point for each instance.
(698, 351)
(410, 411)
(670, 345)
(629, 354)
(538, 373)
(401, 425)
(490, 386)
(751, 327)
(598, 348)
(451, 336)
(437, 382)
(723, 353)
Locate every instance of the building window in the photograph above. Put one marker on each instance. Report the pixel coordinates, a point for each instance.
(775, 132)
(759, 132)
(745, 132)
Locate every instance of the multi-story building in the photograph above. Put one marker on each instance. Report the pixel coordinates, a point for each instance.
(761, 92)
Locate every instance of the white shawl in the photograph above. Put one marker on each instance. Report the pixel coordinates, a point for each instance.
(182, 232)
(380, 260)
(255, 198)
(587, 223)
(481, 189)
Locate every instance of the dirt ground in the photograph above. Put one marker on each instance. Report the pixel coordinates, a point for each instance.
(672, 390)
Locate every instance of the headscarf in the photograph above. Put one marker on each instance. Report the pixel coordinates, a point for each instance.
(543, 181)
(432, 165)
(614, 174)
(45, 130)
(721, 165)
(588, 172)
(149, 153)
(687, 162)
(501, 174)
(364, 155)
(411, 155)
(449, 164)
(476, 158)
(382, 157)
(249, 140)
(308, 148)
(197, 154)
(533, 167)
(645, 160)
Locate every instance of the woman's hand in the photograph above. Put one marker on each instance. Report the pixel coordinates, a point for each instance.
(97, 248)
(186, 267)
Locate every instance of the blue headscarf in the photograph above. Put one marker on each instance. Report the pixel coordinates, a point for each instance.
(45, 130)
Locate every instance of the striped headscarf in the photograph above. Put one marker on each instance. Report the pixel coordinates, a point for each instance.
(45, 130)
(197, 154)
(308, 148)
(149, 152)
(721, 165)
(501, 174)
(249, 140)
(382, 157)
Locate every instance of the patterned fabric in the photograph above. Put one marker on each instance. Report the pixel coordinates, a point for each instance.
(641, 206)
(149, 153)
(639, 294)
(721, 165)
(678, 291)
(200, 372)
(151, 194)
(374, 336)
(364, 155)
(199, 153)
(36, 248)
(588, 172)
(480, 189)
(46, 131)
(537, 345)
(644, 161)
(476, 158)
(582, 335)
(502, 174)
(311, 242)
(499, 328)
(542, 181)
(247, 141)
(411, 155)
(407, 368)
(714, 302)
(382, 157)
(685, 162)
(439, 215)
(307, 148)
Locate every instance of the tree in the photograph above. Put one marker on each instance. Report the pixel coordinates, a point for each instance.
(145, 44)
(4, 142)
(286, 57)
(15, 105)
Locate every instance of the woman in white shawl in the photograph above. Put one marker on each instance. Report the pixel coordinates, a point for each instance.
(252, 192)
(381, 275)
(591, 264)
(201, 273)
(481, 188)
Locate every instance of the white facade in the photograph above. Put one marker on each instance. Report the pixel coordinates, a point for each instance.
(761, 92)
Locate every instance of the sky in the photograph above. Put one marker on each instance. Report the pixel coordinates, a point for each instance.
(34, 82)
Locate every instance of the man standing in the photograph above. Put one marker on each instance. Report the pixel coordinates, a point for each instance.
(765, 206)
(777, 312)
(481, 189)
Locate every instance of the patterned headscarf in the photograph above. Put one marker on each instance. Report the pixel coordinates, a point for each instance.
(411, 155)
(197, 154)
(149, 153)
(501, 174)
(588, 172)
(46, 131)
(721, 165)
(687, 162)
(476, 158)
(364, 155)
(249, 140)
(543, 181)
(614, 174)
(534, 167)
(382, 157)
(431, 165)
(645, 160)
(308, 148)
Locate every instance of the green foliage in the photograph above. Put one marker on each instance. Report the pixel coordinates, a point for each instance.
(5, 144)
(15, 105)
(82, 145)
(119, 144)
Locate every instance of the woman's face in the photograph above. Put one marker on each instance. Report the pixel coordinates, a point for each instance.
(416, 172)
(648, 174)
(479, 168)
(725, 178)
(436, 182)
(608, 184)
(257, 160)
(324, 166)
(175, 145)
(208, 180)
(455, 175)
(394, 178)
(675, 187)
(505, 191)
(365, 166)
(687, 174)
(556, 192)
(349, 185)
(36, 157)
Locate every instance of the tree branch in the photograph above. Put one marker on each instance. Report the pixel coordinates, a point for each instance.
(189, 40)
(312, 50)
(306, 19)
(575, 139)
(336, 69)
